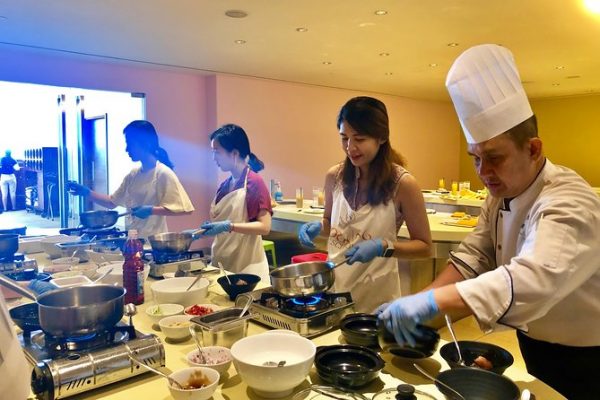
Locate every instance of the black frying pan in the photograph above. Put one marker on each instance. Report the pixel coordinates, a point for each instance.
(26, 316)
(99, 219)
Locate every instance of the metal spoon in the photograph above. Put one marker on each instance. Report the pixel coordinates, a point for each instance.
(130, 310)
(108, 271)
(460, 361)
(200, 353)
(250, 300)
(274, 364)
(195, 280)
(453, 392)
(149, 368)
(223, 272)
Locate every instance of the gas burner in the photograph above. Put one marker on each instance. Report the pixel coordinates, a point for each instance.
(104, 233)
(304, 306)
(159, 257)
(12, 258)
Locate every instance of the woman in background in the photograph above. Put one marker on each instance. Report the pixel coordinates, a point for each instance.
(241, 211)
(151, 190)
(367, 199)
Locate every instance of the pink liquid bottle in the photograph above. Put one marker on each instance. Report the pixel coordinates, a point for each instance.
(133, 269)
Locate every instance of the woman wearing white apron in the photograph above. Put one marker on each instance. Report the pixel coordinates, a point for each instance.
(241, 211)
(151, 191)
(367, 199)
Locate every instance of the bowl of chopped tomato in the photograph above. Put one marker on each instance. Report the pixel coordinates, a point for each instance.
(199, 310)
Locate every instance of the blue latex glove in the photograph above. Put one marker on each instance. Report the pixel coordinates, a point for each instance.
(39, 287)
(78, 190)
(214, 228)
(365, 251)
(308, 232)
(402, 316)
(142, 212)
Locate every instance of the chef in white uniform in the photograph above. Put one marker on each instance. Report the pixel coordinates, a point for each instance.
(367, 199)
(15, 372)
(241, 211)
(151, 190)
(533, 261)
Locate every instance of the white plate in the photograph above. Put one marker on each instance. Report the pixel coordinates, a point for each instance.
(313, 210)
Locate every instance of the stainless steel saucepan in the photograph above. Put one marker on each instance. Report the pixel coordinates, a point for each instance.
(305, 278)
(75, 311)
(173, 242)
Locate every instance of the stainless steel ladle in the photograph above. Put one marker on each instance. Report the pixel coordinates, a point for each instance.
(460, 361)
(453, 392)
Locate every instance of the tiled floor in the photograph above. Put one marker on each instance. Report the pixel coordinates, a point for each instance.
(35, 223)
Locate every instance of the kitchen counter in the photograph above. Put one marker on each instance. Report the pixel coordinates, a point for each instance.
(231, 387)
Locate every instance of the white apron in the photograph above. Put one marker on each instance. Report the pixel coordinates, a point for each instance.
(15, 372)
(378, 281)
(237, 251)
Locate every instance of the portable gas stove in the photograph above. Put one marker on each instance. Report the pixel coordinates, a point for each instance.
(309, 316)
(161, 263)
(16, 263)
(89, 234)
(65, 367)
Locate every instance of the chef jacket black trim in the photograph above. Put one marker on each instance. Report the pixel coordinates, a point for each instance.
(512, 300)
(454, 257)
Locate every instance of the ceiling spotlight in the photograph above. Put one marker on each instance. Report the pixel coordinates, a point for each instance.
(592, 5)
(389, 73)
(301, 29)
(556, 84)
(559, 67)
(384, 54)
(236, 13)
(326, 62)
(452, 44)
(433, 65)
(380, 12)
(239, 41)
(573, 76)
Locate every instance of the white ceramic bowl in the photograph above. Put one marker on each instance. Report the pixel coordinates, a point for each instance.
(116, 275)
(160, 311)
(174, 291)
(217, 358)
(205, 309)
(70, 281)
(176, 327)
(101, 258)
(88, 269)
(183, 377)
(168, 275)
(66, 260)
(250, 353)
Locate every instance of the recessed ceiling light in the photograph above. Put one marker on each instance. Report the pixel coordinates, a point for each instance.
(592, 5)
(573, 76)
(301, 29)
(380, 12)
(452, 44)
(556, 84)
(433, 65)
(326, 62)
(559, 67)
(384, 54)
(239, 41)
(389, 73)
(236, 13)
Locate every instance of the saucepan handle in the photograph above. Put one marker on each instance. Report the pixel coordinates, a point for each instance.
(13, 285)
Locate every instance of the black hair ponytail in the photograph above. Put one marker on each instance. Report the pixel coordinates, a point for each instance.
(254, 163)
(163, 157)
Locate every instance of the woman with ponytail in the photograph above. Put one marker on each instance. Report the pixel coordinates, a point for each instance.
(241, 211)
(151, 190)
(367, 199)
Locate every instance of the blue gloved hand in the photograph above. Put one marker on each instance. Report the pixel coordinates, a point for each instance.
(194, 232)
(214, 228)
(142, 212)
(39, 287)
(78, 190)
(402, 316)
(365, 251)
(308, 232)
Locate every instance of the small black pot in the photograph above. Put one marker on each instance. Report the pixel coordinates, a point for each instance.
(360, 329)
(348, 366)
(234, 289)
(474, 383)
(469, 350)
(426, 342)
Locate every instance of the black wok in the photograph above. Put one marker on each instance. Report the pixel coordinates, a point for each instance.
(99, 219)
(75, 311)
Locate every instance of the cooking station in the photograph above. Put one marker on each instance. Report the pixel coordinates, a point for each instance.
(185, 261)
(309, 316)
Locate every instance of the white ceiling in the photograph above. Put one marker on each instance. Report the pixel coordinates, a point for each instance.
(196, 34)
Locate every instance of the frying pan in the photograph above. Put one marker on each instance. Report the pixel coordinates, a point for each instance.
(99, 219)
(173, 242)
(26, 316)
(305, 278)
(75, 311)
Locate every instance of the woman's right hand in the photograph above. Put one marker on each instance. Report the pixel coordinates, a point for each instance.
(308, 232)
(77, 189)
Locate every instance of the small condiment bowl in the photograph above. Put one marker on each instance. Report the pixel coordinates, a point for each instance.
(183, 376)
(175, 327)
(160, 311)
(198, 310)
(217, 358)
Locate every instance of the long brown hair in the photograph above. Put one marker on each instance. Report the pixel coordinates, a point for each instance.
(368, 116)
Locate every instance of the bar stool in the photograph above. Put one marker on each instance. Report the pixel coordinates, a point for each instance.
(269, 247)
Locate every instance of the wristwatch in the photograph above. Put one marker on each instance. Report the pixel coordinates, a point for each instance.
(389, 251)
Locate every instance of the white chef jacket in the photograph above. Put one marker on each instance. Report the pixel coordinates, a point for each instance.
(157, 187)
(535, 262)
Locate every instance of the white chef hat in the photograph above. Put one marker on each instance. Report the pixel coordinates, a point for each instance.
(486, 90)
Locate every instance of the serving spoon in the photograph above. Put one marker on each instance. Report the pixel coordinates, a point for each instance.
(453, 392)
(200, 353)
(223, 272)
(172, 381)
(460, 361)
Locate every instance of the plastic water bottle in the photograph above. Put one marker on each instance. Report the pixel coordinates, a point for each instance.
(278, 192)
(133, 269)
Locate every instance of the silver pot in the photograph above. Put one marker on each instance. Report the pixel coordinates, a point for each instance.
(75, 311)
(305, 278)
(173, 242)
(99, 219)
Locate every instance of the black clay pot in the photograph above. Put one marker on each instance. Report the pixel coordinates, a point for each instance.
(497, 356)
(348, 366)
(427, 341)
(474, 383)
(360, 329)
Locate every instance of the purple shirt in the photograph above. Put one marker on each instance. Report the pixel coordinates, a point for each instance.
(257, 194)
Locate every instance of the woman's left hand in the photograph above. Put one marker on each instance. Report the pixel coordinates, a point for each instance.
(214, 228)
(142, 212)
(365, 251)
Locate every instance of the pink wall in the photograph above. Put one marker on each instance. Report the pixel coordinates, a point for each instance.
(292, 128)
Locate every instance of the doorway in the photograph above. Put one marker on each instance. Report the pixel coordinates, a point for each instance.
(58, 134)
